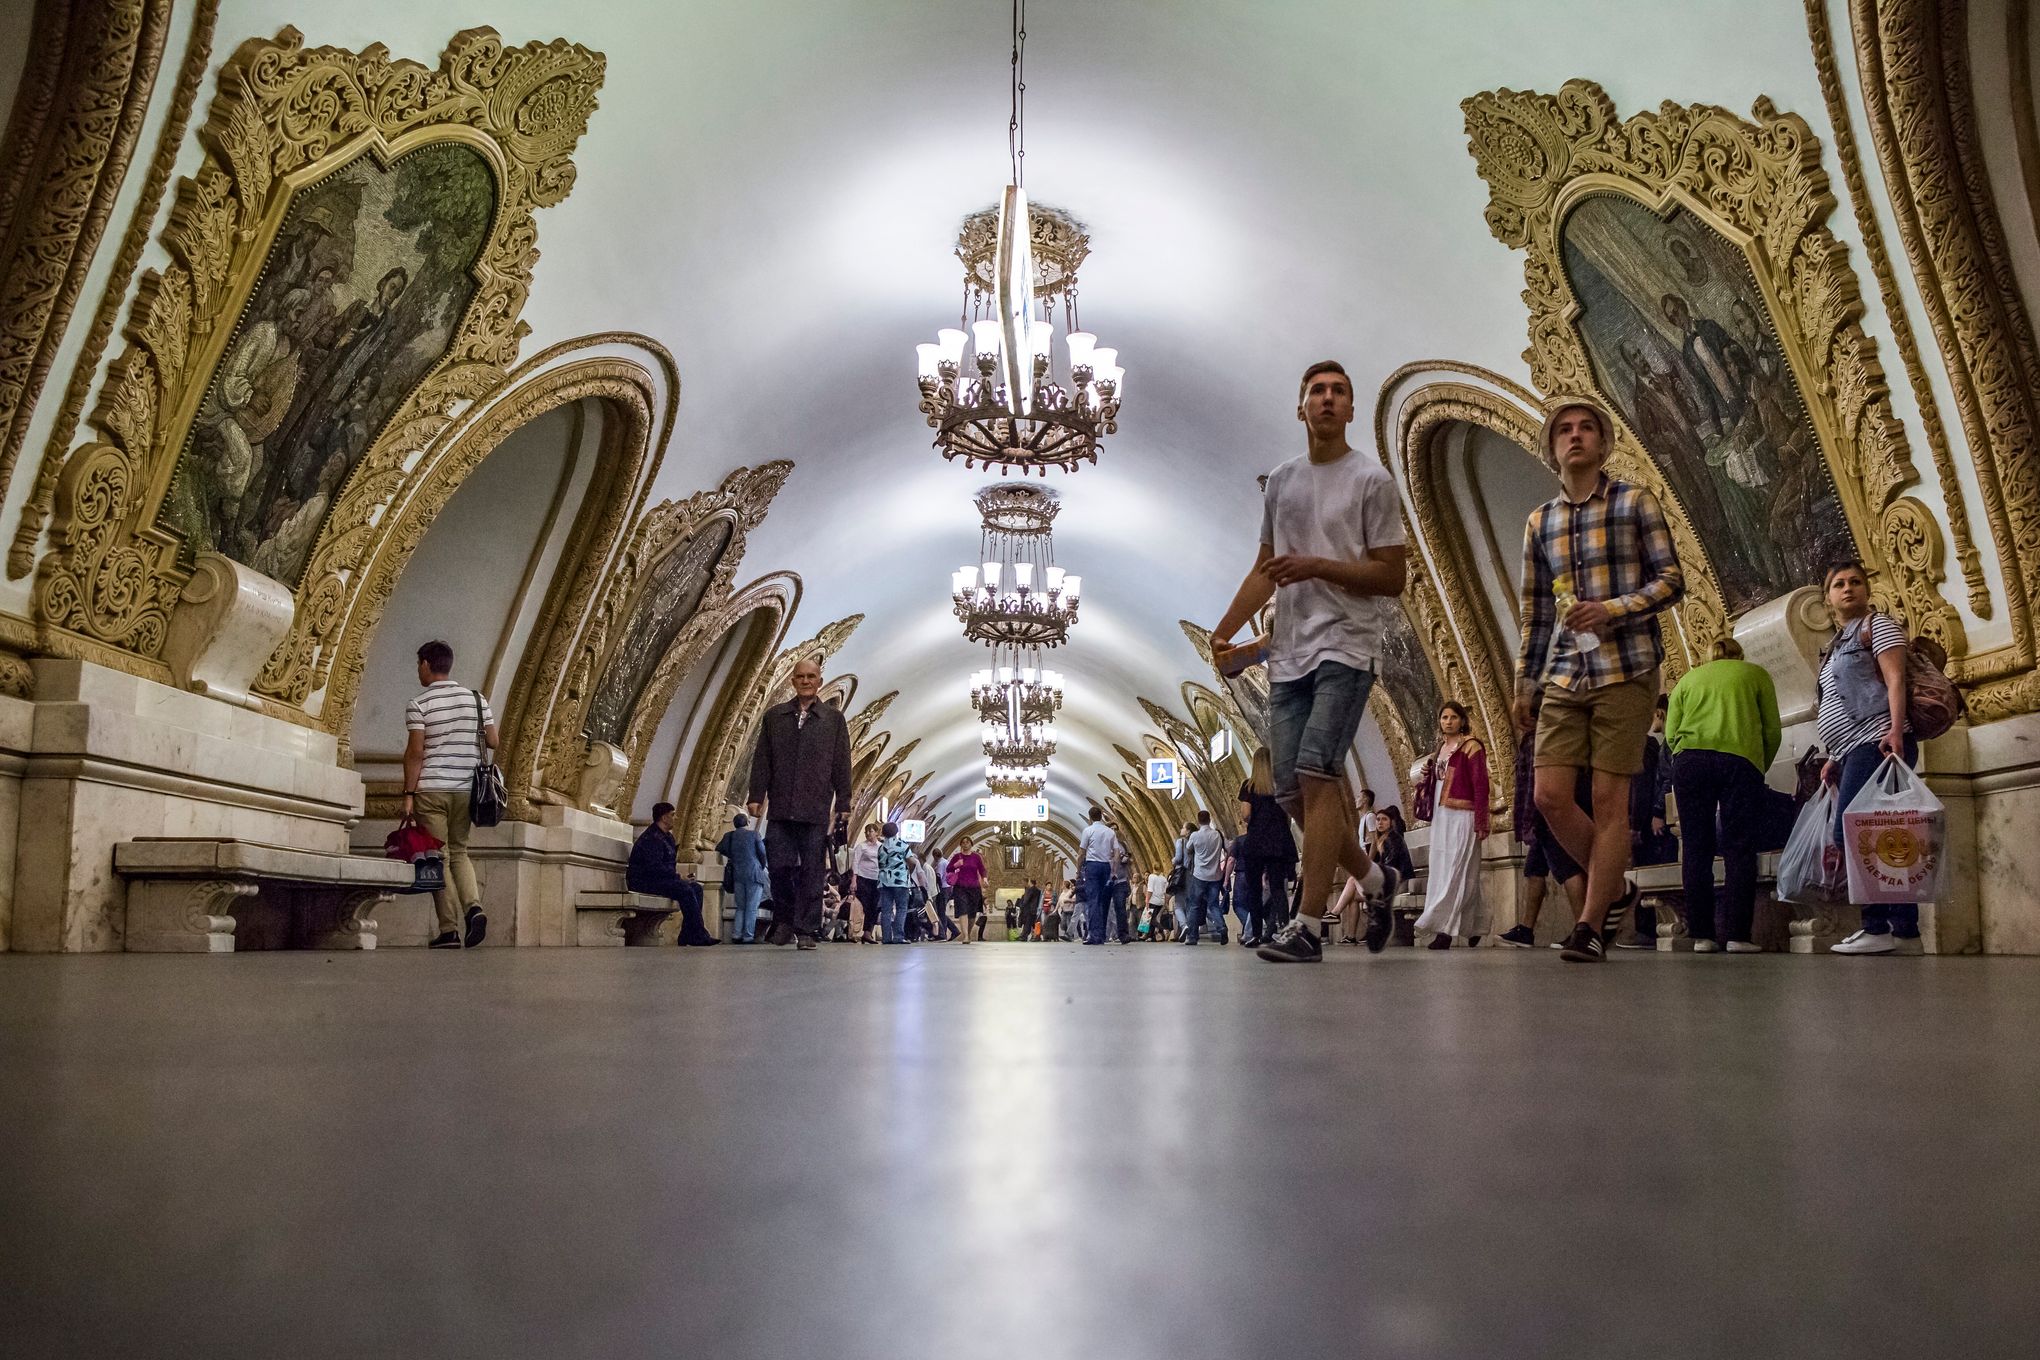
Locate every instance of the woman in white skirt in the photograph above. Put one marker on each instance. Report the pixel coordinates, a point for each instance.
(1454, 795)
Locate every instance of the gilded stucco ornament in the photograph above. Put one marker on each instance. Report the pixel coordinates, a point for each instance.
(77, 117)
(1758, 183)
(284, 115)
(1912, 60)
(762, 608)
(740, 502)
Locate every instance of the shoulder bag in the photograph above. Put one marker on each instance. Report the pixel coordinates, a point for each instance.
(485, 796)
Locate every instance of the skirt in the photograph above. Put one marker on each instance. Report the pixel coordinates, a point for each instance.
(1452, 899)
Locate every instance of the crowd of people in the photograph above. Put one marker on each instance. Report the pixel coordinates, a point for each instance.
(1599, 750)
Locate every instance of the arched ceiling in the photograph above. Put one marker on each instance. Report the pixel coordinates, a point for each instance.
(772, 190)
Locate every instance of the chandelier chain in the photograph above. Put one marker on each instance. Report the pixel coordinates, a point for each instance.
(1016, 123)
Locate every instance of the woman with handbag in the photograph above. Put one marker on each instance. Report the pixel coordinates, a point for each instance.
(1860, 720)
(1455, 791)
(1267, 856)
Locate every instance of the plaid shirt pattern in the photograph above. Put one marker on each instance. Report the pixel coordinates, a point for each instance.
(1618, 549)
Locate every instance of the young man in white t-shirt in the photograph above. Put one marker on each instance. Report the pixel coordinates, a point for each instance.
(1332, 556)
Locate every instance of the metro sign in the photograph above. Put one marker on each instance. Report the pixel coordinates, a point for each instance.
(1012, 809)
(1164, 773)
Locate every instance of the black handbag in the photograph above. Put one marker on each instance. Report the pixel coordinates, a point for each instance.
(485, 795)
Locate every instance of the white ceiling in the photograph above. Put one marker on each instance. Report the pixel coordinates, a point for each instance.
(772, 189)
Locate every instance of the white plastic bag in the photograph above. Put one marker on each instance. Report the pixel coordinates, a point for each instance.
(1895, 839)
(1810, 870)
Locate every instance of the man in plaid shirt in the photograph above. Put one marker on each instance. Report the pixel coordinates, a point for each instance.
(1604, 546)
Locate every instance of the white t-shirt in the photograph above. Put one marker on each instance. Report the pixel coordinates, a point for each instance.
(1158, 887)
(1207, 848)
(1098, 843)
(1343, 509)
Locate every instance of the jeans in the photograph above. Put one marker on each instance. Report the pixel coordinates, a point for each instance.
(748, 896)
(1203, 909)
(1097, 887)
(892, 914)
(1711, 783)
(1312, 723)
(1857, 767)
(1262, 893)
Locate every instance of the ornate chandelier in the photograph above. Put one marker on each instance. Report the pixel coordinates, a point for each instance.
(1022, 783)
(1022, 599)
(1011, 696)
(1032, 746)
(1010, 406)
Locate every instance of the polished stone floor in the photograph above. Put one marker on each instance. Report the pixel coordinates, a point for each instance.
(1007, 1150)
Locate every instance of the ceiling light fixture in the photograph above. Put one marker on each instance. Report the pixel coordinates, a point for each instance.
(1019, 598)
(1009, 407)
(1033, 746)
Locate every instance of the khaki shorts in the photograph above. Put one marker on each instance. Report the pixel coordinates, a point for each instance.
(1602, 728)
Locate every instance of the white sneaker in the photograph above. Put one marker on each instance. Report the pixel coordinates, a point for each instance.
(1706, 947)
(1744, 947)
(1862, 942)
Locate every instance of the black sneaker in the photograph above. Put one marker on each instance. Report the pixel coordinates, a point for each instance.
(1380, 925)
(781, 932)
(1636, 942)
(445, 939)
(1619, 909)
(1293, 944)
(1518, 937)
(1584, 947)
(806, 942)
(477, 926)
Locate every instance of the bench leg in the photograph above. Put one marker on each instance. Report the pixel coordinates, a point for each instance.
(337, 918)
(183, 916)
(641, 928)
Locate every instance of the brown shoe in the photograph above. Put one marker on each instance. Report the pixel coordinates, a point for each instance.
(806, 942)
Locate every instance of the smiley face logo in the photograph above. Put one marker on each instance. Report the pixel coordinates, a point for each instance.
(1898, 847)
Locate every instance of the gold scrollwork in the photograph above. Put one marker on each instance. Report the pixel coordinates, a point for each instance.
(1913, 65)
(1758, 182)
(283, 114)
(764, 607)
(91, 66)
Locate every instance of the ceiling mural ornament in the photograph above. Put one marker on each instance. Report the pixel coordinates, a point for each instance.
(640, 405)
(862, 721)
(1912, 59)
(1756, 185)
(666, 601)
(90, 68)
(285, 119)
(1248, 690)
(1183, 741)
(85, 367)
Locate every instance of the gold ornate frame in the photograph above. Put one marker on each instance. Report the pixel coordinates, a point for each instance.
(763, 608)
(284, 117)
(640, 407)
(1759, 184)
(76, 118)
(1912, 60)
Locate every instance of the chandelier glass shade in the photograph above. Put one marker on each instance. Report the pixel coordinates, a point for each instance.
(1020, 783)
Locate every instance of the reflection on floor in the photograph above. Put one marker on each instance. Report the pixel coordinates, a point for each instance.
(1002, 1150)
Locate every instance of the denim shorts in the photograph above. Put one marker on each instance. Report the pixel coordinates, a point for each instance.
(1312, 723)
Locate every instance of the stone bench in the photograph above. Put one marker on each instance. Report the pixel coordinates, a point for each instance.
(1664, 890)
(195, 894)
(620, 918)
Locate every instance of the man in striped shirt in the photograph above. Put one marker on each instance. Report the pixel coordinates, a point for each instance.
(1601, 549)
(450, 727)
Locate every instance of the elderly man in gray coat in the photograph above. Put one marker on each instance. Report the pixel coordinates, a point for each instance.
(801, 767)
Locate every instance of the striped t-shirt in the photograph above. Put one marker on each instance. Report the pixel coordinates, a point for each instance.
(445, 713)
(1840, 732)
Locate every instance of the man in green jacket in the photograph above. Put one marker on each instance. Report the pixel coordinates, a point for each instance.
(1723, 731)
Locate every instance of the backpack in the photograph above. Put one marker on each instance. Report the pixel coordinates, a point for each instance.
(1932, 703)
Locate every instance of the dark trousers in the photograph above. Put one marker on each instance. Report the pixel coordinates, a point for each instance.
(1115, 910)
(867, 898)
(1857, 767)
(797, 857)
(1715, 785)
(1028, 916)
(1264, 888)
(1097, 887)
(686, 892)
(944, 927)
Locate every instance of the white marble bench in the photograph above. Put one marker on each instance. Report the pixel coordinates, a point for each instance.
(1664, 890)
(620, 918)
(184, 894)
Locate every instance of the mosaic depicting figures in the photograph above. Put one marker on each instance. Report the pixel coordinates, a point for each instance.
(671, 594)
(361, 294)
(1681, 345)
(1406, 677)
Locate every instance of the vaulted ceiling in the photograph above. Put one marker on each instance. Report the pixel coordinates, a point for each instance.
(772, 190)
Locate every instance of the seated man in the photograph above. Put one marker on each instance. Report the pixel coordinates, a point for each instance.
(653, 871)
